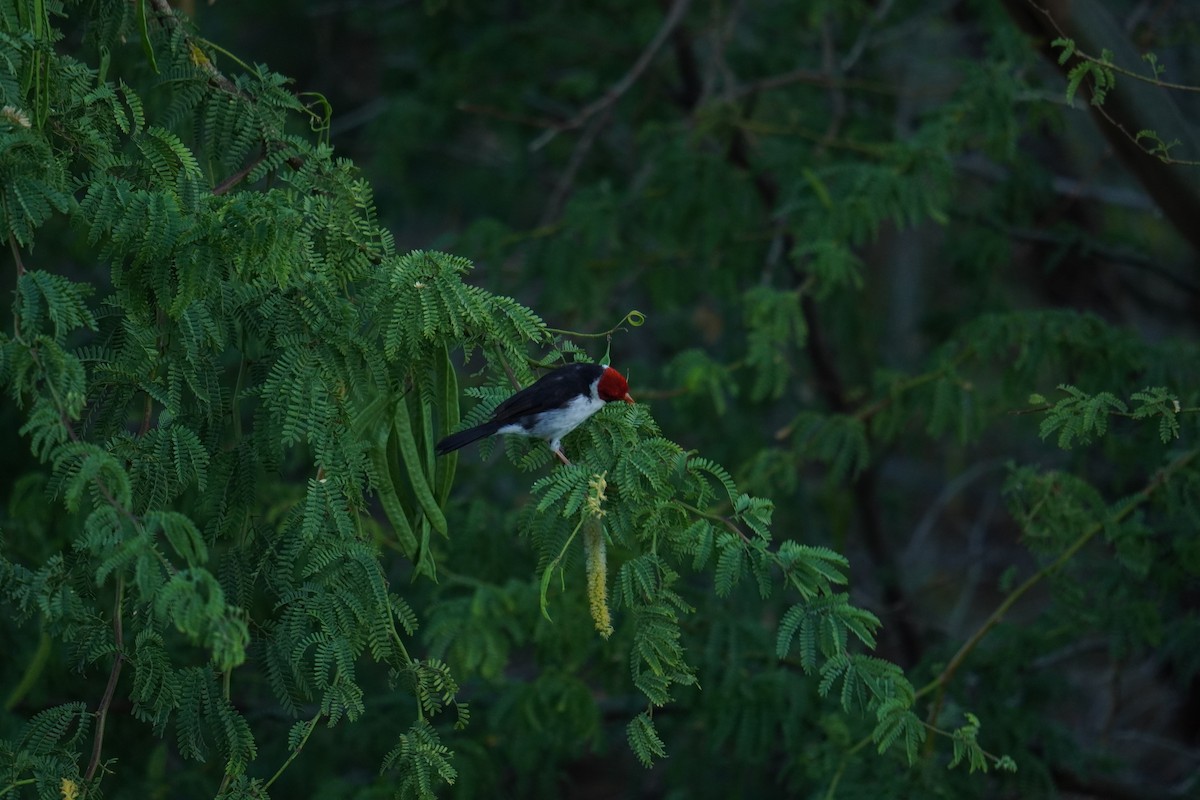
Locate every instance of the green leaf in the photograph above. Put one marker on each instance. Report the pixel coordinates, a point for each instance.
(897, 722)
(181, 532)
(1080, 417)
(1068, 50)
(644, 740)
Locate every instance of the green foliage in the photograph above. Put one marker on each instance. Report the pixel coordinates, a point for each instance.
(244, 333)
(897, 722)
(233, 565)
(219, 361)
(1102, 71)
(823, 626)
(1080, 416)
(775, 325)
(838, 440)
(46, 748)
(1102, 76)
(1158, 402)
(419, 756)
(966, 746)
(644, 740)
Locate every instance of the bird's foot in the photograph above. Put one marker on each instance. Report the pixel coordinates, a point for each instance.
(562, 457)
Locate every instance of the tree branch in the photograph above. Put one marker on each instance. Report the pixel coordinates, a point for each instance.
(113, 676)
(167, 17)
(239, 176)
(562, 189)
(832, 388)
(940, 683)
(810, 77)
(1126, 108)
(16, 251)
(617, 90)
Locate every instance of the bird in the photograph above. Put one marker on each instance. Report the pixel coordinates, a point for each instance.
(550, 408)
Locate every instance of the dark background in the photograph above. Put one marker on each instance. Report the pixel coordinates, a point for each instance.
(931, 147)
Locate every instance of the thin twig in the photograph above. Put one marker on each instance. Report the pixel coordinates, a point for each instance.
(16, 251)
(562, 189)
(692, 85)
(312, 725)
(823, 139)
(725, 29)
(866, 412)
(940, 683)
(239, 176)
(728, 523)
(506, 116)
(508, 370)
(674, 17)
(1098, 107)
(1069, 188)
(1087, 248)
(167, 17)
(1155, 81)
(864, 36)
(113, 676)
(811, 77)
(147, 416)
(837, 96)
(1163, 157)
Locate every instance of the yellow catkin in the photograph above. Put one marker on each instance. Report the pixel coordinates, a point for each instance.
(596, 497)
(70, 789)
(596, 556)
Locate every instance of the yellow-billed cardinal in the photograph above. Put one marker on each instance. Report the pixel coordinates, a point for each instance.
(553, 406)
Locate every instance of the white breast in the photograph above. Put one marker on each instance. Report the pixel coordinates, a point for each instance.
(554, 425)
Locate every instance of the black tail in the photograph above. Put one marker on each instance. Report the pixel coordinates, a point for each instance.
(464, 438)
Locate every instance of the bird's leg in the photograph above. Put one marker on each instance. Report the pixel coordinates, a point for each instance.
(562, 457)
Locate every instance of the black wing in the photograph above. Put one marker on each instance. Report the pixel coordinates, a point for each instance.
(552, 390)
(464, 438)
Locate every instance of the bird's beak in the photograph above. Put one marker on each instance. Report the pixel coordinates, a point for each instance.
(628, 399)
